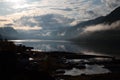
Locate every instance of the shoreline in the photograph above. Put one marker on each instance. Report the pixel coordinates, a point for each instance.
(51, 62)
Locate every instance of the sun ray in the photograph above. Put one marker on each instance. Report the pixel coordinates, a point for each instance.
(18, 3)
(15, 1)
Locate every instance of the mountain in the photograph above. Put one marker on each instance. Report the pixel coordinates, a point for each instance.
(0, 37)
(108, 19)
(113, 16)
(112, 34)
(8, 33)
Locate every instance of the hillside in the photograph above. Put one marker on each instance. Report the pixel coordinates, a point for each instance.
(8, 33)
(103, 29)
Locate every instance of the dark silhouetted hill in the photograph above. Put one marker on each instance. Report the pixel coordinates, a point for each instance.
(113, 16)
(110, 18)
(110, 35)
(8, 33)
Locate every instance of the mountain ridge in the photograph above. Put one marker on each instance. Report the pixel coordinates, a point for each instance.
(111, 34)
(8, 33)
(110, 18)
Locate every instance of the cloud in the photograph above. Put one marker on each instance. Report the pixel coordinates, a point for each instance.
(28, 28)
(53, 20)
(48, 21)
(101, 27)
(80, 10)
(112, 3)
(48, 14)
(77, 9)
(12, 0)
(63, 9)
(4, 21)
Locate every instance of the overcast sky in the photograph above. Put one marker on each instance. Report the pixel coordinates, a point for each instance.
(38, 14)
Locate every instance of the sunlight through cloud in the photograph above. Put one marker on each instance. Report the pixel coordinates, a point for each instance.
(18, 4)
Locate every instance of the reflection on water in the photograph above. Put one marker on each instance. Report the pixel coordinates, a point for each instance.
(106, 49)
(53, 45)
(50, 45)
(90, 69)
(84, 48)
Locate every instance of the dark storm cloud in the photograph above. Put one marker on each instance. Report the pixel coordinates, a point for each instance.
(53, 20)
(45, 21)
(8, 25)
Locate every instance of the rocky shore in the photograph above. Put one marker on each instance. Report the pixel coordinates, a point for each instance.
(18, 62)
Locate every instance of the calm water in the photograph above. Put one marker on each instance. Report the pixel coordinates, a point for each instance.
(82, 48)
(59, 45)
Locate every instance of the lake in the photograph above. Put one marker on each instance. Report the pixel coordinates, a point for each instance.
(75, 47)
(67, 46)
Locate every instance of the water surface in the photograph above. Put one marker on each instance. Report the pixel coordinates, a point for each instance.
(67, 46)
(81, 48)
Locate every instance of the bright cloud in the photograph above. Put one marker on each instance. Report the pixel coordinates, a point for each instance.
(72, 11)
(112, 3)
(101, 27)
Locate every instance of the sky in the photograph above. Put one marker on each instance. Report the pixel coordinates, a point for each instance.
(47, 14)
